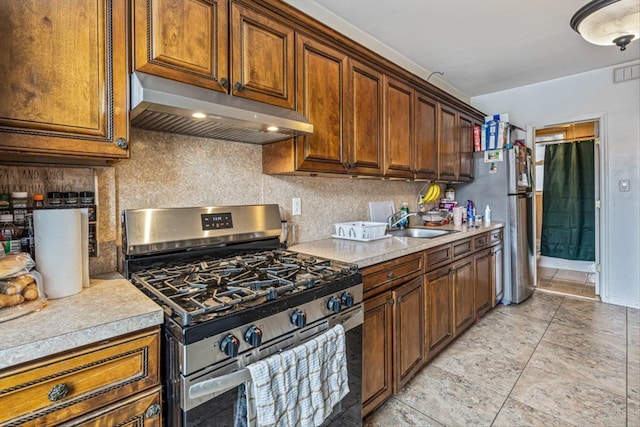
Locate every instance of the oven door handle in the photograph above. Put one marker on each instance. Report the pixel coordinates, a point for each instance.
(219, 385)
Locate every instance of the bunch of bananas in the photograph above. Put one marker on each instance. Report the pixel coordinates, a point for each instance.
(432, 194)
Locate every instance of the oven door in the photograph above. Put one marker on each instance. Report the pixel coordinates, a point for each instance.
(209, 398)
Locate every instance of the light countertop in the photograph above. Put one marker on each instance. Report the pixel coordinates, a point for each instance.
(365, 254)
(110, 307)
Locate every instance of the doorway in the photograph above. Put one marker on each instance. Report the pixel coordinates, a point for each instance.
(567, 225)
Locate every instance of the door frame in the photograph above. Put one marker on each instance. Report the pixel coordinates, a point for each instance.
(600, 176)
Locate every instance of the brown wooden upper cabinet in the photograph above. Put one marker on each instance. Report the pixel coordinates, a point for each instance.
(64, 92)
(455, 145)
(398, 129)
(187, 41)
(425, 137)
(466, 124)
(365, 105)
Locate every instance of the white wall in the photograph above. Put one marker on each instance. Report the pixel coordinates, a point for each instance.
(594, 94)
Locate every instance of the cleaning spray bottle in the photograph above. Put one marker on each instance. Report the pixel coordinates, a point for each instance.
(471, 214)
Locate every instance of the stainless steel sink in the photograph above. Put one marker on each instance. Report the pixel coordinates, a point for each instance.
(420, 233)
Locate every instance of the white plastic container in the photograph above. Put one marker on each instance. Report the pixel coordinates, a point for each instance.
(360, 230)
(487, 215)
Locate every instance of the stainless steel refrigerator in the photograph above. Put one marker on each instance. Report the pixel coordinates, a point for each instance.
(506, 186)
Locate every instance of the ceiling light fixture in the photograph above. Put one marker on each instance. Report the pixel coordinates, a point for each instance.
(198, 115)
(273, 128)
(608, 22)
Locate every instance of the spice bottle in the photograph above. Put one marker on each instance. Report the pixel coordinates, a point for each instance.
(9, 235)
(54, 199)
(71, 198)
(38, 201)
(19, 205)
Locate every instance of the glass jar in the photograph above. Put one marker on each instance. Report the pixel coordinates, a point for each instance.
(5, 204)
(54, 199)
(38, 201)
(86, 198)
(19, 205)
(71, 198)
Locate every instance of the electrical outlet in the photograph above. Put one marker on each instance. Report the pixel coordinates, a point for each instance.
(296, 206)
(624, 184)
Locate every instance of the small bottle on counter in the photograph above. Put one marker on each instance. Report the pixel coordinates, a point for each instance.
(19, 206)
(487, 215)
(471, 214)
(404, 207)
(54, 199)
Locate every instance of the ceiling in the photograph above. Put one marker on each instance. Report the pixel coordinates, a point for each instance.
(482, 46)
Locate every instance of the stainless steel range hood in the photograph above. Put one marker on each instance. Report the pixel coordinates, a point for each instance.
(168, 106)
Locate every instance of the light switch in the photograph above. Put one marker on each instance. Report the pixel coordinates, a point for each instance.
(623, 185)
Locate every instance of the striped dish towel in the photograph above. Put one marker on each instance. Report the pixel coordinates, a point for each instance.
(299, 387)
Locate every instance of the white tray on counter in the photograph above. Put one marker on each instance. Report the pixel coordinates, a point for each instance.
(335, 236)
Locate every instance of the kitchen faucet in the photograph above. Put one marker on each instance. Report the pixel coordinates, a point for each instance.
(397, 219)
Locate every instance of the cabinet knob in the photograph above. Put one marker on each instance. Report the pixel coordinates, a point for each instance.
(390, 301)
(238, 86)
(390, 275)
(59, 391)
(152, 411)
(399, 300)
(122, 143)
(224, 82)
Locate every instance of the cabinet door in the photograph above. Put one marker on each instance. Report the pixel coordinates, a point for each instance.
(466, 148)
(322, 75)
(262, 58)
(365, 119)
(64, 79)
(463, 281)
(438, 321)
(377, 352)
(497, 274)
(398, 112)
(483, 298)
(426, 137)
(182, 40)
(448, 144)
(408, 331)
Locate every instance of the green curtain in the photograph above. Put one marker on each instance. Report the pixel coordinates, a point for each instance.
(568, 202)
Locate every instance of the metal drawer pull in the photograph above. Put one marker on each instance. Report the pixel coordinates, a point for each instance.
(58, 392)
(390, 275)
(152, 411)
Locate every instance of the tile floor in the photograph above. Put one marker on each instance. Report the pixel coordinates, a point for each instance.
(551, 361)
(567, 282)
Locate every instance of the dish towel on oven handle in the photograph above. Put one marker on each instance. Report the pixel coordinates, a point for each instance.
(300, 386)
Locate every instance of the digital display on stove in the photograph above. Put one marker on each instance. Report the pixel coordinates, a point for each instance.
(216, 221)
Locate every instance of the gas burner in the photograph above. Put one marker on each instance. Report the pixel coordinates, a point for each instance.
(217, 286)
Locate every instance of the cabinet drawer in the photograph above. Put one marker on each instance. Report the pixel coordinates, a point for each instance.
(380, 277)
(437, 256)
(495, 237)
(59, 388)
(481, 241)
(462, 248)
(141, 410)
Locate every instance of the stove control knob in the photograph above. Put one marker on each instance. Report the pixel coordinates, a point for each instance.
(299, 318)
(229, 345)
(334, 304)
(347, 299)
(253, 336)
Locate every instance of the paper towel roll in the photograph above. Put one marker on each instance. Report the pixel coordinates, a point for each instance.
(58, 236)
(84, 212)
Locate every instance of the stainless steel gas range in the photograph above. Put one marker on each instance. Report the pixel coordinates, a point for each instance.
(231, 297)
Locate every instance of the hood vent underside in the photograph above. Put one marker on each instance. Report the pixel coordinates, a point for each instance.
(167, 106)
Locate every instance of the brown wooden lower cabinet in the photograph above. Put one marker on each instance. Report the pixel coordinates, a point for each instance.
(408, 331)
(415, 307)
(377, 374)
(463, 290)
(83, 382)
(439, 323)
(483, 289)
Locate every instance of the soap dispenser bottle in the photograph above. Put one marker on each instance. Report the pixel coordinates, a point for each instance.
(487, 215)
